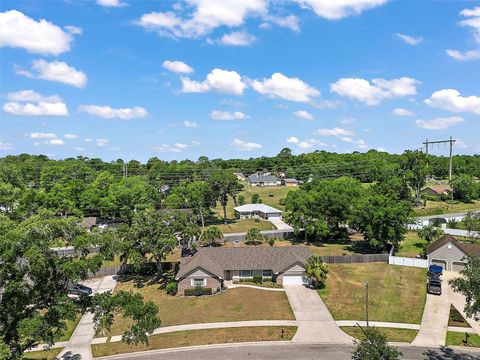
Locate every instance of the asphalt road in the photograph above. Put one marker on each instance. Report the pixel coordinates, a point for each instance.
(295, 352)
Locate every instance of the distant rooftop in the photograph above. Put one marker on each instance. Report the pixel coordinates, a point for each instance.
(257, 207)
(262, 178)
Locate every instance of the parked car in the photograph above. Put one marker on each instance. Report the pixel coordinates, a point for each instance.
(77, 289)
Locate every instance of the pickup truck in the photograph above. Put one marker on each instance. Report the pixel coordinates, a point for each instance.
(434, 285)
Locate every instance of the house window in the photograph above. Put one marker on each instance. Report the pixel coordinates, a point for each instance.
(245, 273)
(199, 282)
(267, 273)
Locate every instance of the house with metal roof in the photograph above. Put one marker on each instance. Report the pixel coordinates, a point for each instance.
(211, 267)
(450, 254)
(260, 211)
(259, 179)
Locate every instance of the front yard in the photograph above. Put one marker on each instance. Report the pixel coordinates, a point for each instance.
(442, 207)
(458, 339)
(396, 293)
(231, 305)
(396, 335)
(199, 337)
(240, 226)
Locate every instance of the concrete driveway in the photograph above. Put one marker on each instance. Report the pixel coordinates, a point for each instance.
(315, 323)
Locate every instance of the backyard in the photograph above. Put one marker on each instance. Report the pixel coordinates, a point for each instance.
(411, 245)
(443, 207)
(232, 305)
(392, 290)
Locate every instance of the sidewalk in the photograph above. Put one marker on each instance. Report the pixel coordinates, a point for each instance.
(78, 347)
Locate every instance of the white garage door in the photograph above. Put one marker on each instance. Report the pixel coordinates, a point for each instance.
(294, 280)
(438, 262)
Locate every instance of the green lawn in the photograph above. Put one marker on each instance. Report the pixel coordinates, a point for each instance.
(278, 192)
(71, 325)
(456, 318)
(392, 290)
(231, 305)
(392, 334)
(411, 246)
(245, 225)
(457, 339)
(42, 354)
(199, 337)
(441, 207)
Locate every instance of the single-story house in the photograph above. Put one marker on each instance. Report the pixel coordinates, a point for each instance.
(449, 253)
(258, 179)
(240, 176)
(289, 182)
(437, 190)
(210, 267)
(261, 211)
(89, 222)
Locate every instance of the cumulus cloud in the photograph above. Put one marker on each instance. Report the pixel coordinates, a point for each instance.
(402, 112)
(410, 40)
(439, 123)
(111, 3)
(237, 38)
(244, 145)
(289, 22)
(31, 103)
(376, 91)
(107, 112)
(304, 144)
(5, 145)
(101, 142)
(452, 100)
(166, 148)
(218, 80)
(463, 55)
(177, 66)
(336, 131)
(74, 30)
(54, 142)
(190, 124)
(228, 115)
(281, 86)
(303, 114)
(334, 10)
(361, 144)
(70, 136)
(40, 37)
(293, 140)
(55, 71)
(38, 135)
(472, 21)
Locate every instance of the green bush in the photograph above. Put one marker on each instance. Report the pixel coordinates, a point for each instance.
(282, 201)
(171, 288)
(257, 279)
(198, 291)
(271, 241)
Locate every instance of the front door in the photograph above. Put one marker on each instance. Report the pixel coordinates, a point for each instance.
(228, 275)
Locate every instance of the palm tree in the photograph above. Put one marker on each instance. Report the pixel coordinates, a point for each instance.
(213, 236)
(430, 234)
(316, 271)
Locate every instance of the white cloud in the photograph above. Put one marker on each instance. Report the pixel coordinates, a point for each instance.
(101, 142)
(107, 112)
(54, 142)
(177, 66)
(88, 140)
(473, 22)
(410, 40)
(463, 55)
(451, 100)
(222, 81)
(111, 3)
(336, 131)
(303, 114)
(70, 136)
(338, 9)
(190, 124)
(293, 140)
(305, 144)
(237, 38)
(37, 135)
(376, 91)
(41, 37)
(201, 17)
(281, 86)
(360, 143)
(228, 115)
(195, 142)
(31, 103)
(290, 22)
(244, 145)
(81, 149)
(402, 112)
(439, 123)
(165, 148)
(5, 145)
(55, 71)
(74, 30)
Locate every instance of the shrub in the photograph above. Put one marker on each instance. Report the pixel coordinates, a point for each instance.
(171, 288)
(282, 201)
(271, 241)
(198, 291)
(255, 198)
(257, 279)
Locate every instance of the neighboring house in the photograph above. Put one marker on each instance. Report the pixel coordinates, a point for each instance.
(89, 222)
(240, 176)
(449, 253)
(290, 182)
(165, 189)
(259, 179)
(437, 190)
(210, 267)
(261, 211)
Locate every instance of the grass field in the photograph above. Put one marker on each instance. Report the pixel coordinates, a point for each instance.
(71, 325)
(441, 207)
(392, 290)
(397, 335)
(456, 318)
(42, 354)
(457, 339)
(278, 192)
(232, 305)
(411, 246)
(199, 337)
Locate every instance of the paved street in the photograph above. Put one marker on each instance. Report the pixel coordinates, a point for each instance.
(283, 351)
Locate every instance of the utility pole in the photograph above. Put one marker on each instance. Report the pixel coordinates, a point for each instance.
(450, 141)
(366, 301)
(125, 170)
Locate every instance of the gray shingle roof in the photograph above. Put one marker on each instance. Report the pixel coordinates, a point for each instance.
(217, 260)
(260, 178)
(468, 249)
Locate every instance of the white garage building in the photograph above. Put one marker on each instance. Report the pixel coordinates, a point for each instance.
(261, 211)
(450, 253)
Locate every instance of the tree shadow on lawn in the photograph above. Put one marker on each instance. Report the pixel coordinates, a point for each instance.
(446, 353)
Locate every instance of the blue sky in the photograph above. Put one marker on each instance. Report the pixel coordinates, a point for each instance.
(137, 79)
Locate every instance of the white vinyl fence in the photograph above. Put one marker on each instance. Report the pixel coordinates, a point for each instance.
(404, 261)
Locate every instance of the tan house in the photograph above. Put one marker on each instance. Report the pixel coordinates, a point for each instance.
(449, 253)
(289, 182)
(437, 190)
(211, 267)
